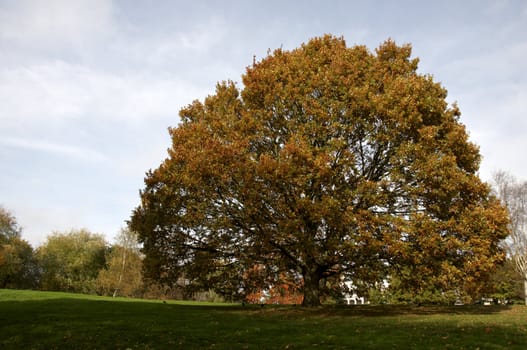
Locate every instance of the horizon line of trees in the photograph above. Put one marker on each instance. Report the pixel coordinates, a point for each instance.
(77, 261)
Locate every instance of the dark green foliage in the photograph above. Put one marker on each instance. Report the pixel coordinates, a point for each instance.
(71, 261)
(18, 267)
(506, 284)
(9, 227)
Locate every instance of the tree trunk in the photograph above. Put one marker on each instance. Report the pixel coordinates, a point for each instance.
(311, 288)
(120, 274)
(525, 289)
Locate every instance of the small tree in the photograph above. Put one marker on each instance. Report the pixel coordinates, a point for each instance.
(506, 284)
(71, 261)
(18, 268)
(122, 274)
(513, 194)
(9, 227)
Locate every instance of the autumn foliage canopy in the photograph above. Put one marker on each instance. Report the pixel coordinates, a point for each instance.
(330, 163)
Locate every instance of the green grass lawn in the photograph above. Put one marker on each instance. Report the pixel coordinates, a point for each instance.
(43, 320)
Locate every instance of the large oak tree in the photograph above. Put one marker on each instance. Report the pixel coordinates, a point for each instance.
(330, 161)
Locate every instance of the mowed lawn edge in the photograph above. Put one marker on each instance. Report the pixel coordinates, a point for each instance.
(52, 320)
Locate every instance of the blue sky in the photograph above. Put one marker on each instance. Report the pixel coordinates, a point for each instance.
(88, 88)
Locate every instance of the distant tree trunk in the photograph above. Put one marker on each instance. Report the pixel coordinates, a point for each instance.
(121, 273)
(521, 266)
(311, 287)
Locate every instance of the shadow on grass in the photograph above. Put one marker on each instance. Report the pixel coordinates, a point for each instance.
(378, 310)
(396, 310)
(92, 304)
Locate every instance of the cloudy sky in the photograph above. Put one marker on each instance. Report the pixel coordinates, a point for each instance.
(89, 87)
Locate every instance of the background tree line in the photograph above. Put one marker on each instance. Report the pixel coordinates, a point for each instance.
(76, 261)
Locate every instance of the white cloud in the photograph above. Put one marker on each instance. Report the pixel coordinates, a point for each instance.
(203, 36)
(55, 23)
(51, 147)
(39, 221)
(496, 6)
(53, 92)
(49, 91)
